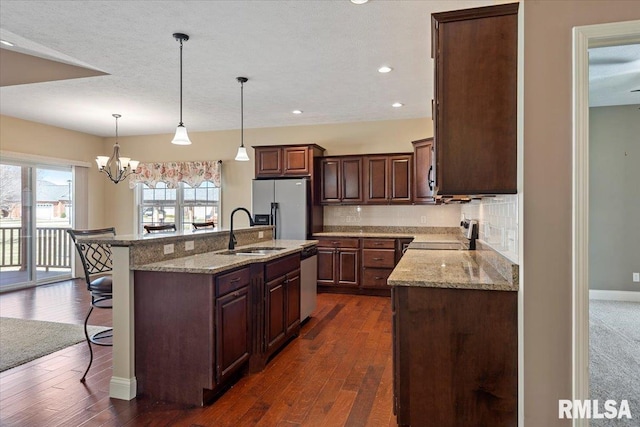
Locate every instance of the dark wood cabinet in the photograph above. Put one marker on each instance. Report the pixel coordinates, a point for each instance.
(282, 301)
(341, 180)
(475, 53)
(378, 261)
(196, 333)
(388, 178)
(281, 161)
(339, 262)
(233, 339)
(424, 177)
(455, 357)
(268, 162)
(275, 311)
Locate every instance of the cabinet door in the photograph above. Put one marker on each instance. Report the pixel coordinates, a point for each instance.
(376, 180)
(476, 86)
(293, 301)
(330, 181)
(275, 313)
(296, 161)
(351, 169)
(348, 267)
(423, 171)
(268, 162)
(326, 266)
(399, 181)
(233, 341)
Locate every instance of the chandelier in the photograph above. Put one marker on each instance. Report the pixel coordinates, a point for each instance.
(117, 168)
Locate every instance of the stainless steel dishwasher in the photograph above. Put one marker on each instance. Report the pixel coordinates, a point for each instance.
(308, 281)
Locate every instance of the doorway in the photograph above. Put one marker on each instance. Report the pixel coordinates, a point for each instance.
(584, 38)
(36, 203)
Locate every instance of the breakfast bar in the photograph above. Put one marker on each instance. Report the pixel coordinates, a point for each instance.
(185, 259)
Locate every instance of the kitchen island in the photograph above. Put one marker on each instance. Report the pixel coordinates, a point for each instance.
(195, 256)
(455, 341)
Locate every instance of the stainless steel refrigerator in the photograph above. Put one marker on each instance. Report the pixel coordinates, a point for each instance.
(285, 204)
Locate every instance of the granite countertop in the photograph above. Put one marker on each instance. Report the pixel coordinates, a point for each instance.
(216, 262)
(483, 268)
(461, 269)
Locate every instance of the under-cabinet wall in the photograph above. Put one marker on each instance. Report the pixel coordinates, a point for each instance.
(393, 216)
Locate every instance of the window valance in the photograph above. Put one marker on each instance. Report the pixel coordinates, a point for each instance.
(171, 173)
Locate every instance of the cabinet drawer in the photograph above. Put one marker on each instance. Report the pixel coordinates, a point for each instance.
(229, 282)
(379, 258)
(379, 243)
(281, 266)
(375, 277)
(339, 243)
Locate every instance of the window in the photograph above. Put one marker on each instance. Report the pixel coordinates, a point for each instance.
(180, 206)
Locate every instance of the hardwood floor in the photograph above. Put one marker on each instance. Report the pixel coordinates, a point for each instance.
(338, 372)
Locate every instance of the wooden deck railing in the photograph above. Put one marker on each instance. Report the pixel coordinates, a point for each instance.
(53, 247)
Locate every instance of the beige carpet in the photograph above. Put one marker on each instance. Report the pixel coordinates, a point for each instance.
(22, 341)
(614, 357)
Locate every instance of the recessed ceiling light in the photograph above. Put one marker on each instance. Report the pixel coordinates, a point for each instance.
(359, 1)
(297, 111)
(397, 105)
(6, 43)
(384, 69)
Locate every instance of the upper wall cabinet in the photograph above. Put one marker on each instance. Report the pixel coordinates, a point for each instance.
(475, 111)
(341, 180)
(424, 177)
(388, 178)
(276, 161)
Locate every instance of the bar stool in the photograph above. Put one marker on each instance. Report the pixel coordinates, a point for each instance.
(159, 228)
(96, 261)
(201, 225)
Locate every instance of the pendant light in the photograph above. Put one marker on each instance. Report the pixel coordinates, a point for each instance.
(242, 152)
(117, 168)
(181, 137)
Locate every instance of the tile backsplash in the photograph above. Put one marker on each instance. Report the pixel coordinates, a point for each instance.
(498, 219)
(396, 216)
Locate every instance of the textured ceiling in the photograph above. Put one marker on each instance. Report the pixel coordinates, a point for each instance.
(317, 56)
(614, 75)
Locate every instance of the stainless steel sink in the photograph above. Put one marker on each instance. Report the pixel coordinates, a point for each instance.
(438, 246)
(264, 250)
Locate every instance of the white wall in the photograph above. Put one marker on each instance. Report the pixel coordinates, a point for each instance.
(614, 197)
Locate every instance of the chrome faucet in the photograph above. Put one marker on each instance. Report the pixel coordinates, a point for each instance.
(232, 238)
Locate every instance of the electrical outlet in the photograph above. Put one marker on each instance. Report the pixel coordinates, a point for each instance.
(188, 245)
(636, 277)
(423, 219)
(260, 234)
(168, 249)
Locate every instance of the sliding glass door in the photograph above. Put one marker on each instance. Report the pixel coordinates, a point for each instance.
(36, 210)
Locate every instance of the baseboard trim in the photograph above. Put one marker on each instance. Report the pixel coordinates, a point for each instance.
(614, 295)
(123, 388)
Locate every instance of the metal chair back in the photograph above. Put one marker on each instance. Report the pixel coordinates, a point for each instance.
(95, 257)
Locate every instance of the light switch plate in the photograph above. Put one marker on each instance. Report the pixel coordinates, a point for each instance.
(260, 234)
(168, 249)
(636, 277)
(188, 245)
